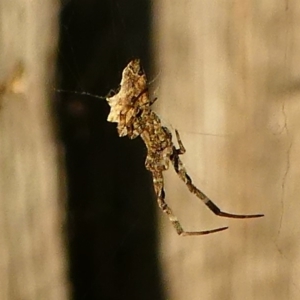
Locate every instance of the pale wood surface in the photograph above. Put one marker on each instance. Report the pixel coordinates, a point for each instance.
(32, 251)
(231, 70)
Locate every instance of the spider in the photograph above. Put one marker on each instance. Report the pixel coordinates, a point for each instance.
(131, 110)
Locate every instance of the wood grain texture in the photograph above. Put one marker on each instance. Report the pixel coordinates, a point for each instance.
(31, 235)
(229, 81)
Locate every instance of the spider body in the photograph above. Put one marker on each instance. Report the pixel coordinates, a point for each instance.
(131, 110)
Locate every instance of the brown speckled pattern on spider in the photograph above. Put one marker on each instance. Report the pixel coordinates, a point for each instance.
(131, 110)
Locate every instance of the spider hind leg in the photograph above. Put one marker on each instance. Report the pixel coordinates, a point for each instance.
(180, 170)
(217, 211)
(158, 184)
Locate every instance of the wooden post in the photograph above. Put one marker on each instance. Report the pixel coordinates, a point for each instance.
(229, 82)
(32, 247)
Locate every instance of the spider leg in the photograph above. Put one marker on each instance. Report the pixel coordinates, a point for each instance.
(180, 170)
(152, 101)
(181, 149)
(158, 186)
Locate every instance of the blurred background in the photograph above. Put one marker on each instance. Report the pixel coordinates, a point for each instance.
(78, 215)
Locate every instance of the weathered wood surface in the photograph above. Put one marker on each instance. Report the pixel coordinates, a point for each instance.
(32, 253)
(231, 70)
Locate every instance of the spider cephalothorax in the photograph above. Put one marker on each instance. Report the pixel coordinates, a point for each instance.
(131, 110)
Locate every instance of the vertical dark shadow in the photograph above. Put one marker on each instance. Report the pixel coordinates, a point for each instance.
(111, 219)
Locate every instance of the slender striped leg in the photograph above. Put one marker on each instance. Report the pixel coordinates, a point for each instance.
(181, 149)
(181, 171)
(159, 190)
(152, 101)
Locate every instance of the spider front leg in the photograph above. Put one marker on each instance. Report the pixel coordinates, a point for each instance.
(160, 193)
(180, 170)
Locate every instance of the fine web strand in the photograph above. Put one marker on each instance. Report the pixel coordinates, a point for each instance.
(80, 93)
